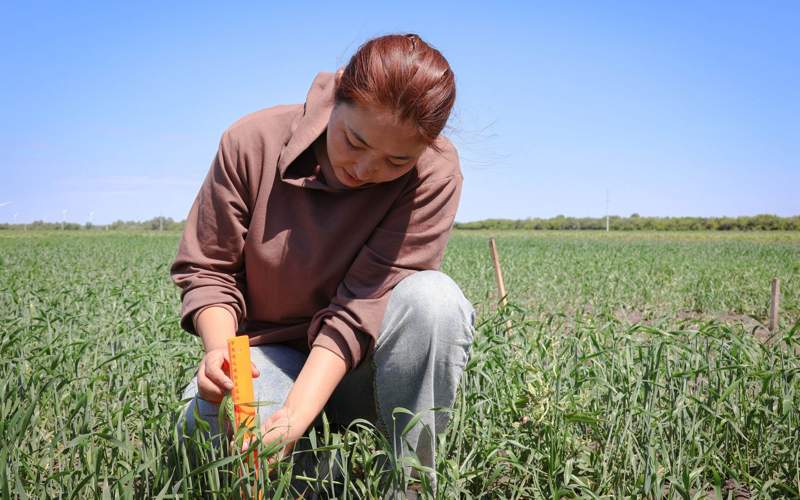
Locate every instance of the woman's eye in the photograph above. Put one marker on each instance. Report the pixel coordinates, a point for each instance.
(350, 145)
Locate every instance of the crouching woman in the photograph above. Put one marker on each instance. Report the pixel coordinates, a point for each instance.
(318, 233)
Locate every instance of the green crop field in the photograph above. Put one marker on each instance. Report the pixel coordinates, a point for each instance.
(636, 364)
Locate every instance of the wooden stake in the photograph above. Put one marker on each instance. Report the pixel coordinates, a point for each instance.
(775, 304)
(498, 274)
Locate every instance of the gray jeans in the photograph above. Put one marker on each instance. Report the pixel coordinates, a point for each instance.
(421, 352)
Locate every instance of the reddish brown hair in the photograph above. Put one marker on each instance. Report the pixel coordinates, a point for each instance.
(404, 74)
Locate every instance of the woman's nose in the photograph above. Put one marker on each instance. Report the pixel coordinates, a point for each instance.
(363, 170)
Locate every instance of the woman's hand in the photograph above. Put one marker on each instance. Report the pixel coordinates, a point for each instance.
(212, 379)
(282, 427)
(321, 373)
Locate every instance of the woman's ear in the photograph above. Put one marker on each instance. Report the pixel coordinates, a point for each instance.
(339, 73)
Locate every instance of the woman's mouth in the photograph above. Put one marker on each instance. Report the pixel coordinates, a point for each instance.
(349, 178)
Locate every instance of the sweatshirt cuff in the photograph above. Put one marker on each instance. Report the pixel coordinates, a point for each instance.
(350, 347)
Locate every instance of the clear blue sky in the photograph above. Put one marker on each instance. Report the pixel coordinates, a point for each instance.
(685, 108)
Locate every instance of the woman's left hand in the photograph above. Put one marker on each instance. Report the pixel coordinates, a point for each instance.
(284, 427)
(321, 373)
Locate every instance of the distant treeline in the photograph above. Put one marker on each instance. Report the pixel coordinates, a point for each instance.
(635, 222)
(154, 224)
(763, 222)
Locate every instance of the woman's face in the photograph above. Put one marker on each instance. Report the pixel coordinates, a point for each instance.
(369, 145)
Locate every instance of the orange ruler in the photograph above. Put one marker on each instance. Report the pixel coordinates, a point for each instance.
(242, 394)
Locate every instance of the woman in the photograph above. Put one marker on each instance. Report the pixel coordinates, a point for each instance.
(318, 233)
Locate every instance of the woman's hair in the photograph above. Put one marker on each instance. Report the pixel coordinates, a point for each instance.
(403, 74)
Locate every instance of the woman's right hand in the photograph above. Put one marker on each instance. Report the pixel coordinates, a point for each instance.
(212, 376)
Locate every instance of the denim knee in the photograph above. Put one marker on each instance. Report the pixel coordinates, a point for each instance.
(196, 407)
(432, 297)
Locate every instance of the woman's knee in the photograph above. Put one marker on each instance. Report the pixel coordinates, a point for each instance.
(432, 299)
(199, 421)
(428, 321)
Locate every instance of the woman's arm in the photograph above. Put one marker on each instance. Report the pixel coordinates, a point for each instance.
(215, 325)
(321, 373)
(210, 257)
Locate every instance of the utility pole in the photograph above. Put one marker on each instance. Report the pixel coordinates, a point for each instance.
(607, 225)
(63, 217)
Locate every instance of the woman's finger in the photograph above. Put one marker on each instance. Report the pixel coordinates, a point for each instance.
(255, 371)
(206, 388)
(216, 375)
(246, 442)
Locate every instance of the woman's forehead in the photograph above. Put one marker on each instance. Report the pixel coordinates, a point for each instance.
(379, 129)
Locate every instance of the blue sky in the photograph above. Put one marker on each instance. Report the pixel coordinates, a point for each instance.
(114, 111)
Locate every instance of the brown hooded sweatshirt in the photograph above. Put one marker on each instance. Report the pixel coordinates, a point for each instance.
(294, 255)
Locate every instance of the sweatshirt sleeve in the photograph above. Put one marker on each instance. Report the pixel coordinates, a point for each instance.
(209, 262)
(411, 237)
